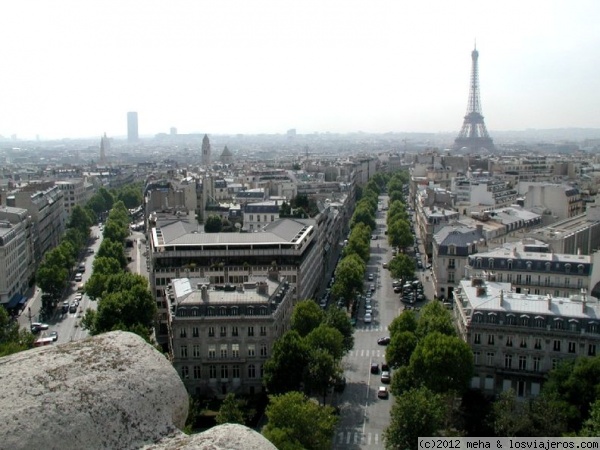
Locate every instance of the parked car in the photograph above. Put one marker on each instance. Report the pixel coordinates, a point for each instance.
(368, 318)
(398, 289)
(385, 377)
(374, 368)
(383, 392)
(73, 307)
(385, 367)
(383, 340)
(385, 265)
(368, 308)
(370, 277)
(53, 335)
(36, 327)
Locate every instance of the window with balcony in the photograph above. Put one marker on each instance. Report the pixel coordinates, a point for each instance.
(572, 347)
(263, 331)
(250, 331)
(451, 263)
(537, 363)
(523, 343)
(537, 344)
(476, 356)
(185, 372)
(183, 351)
(212, 351)
(527, 279)
(491, 339)
(197, 372)
(263, 350)
(212, 371)
(519, 281)
(183, 332)
(509, 341)
(477, 338)
(251, 371)
(522, 362)
(224, 372)
(556, 346)
(508, 361)
(235, 350)
(211, 331)
(567, 282)
(234, 331)
(196, 351)
(195, 332)
(223, 350)
(251, 350)
(223, 332)
(235, 371)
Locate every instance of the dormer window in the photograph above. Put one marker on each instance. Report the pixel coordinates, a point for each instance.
(567, 268)
(491, 263)
(580, 268)
(452, 249)
(478, 263)
(548, 266)
(510, 264)
(528, 264)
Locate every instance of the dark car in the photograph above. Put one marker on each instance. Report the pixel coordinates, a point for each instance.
(374, 368)
(383, 340)
(398, 289)
(385, 367)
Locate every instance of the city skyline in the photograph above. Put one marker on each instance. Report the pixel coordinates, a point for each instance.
(74, 70)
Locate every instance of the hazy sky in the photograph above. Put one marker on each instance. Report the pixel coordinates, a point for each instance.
(74, 68)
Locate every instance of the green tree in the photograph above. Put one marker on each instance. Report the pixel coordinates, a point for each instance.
(13, 340)
(80, 220)
(52, 279)
(403, 380)
(362, 214)
(112, 249)
(406, 321)
(213, 224)
(400, 348)
(430, 362)
(131, 196)
(577, 384)
(591, 427)
(231, 411)
(510, 416)
(402, 266)
(284, 370)
(435, 317)
(307, 316)
(296, 422)
(320, 371)
(338, 319)
(349, 276)
(107, 197)
(328, 339)
(400, 235)
(416, 413)
(115, 231)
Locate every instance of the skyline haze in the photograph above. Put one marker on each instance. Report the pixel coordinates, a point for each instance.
(74, 69)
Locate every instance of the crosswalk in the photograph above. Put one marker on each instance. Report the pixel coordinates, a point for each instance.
(369, 328)
(379, 353)
(349, 437)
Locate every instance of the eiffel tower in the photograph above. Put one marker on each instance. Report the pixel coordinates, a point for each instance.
(473, 134)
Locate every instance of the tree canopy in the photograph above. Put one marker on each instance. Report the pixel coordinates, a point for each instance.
(306, 317)
(213, 224)
(295, 422)
(284, 370)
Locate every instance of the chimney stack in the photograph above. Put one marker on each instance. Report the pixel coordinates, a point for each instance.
(501, 298)
(204, 293)
(549, 300)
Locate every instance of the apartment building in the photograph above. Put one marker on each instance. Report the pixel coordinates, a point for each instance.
(517, 338)
(531, 267)
(260, 214)
(16, 256)
(221, 335)
(561, 201)
(74, 193)
(44, 203)
(179, 248)
(430, 220)
(451, 249)
(480, 189)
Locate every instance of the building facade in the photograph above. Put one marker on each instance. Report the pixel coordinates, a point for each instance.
(518, 338)
(221, 335)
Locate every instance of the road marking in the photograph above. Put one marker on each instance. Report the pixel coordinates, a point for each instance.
(377, 439)
(349, 435)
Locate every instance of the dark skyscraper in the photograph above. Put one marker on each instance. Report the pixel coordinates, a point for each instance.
(132, 127)
(474, 135)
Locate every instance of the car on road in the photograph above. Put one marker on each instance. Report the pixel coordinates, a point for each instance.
(374, 367)
(385, 265)
(39, 326)
(383, 340)
(368, 318)
(368, 308)
(370, 277)
(385, 377)
(383, 392)
(73, 308)
(398, 289)
(65, 307)
(78, 277)
(90, 251)
(385, 367)
(53, 335)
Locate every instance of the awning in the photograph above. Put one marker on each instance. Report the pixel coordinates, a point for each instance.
(14, 301)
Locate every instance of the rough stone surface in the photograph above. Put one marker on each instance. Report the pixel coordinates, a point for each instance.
(222, 437)
(113, 391)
